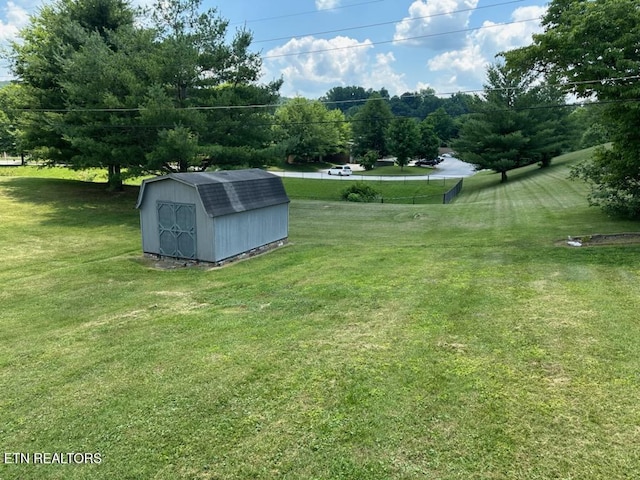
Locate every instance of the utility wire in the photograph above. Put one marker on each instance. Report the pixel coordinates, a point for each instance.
(389, 23)
(340, 102)
(309, 12)
(272, 123)
(331, 102)
(383, 42)
(397, 40)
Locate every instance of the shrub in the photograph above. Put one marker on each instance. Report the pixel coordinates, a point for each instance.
(360, 192)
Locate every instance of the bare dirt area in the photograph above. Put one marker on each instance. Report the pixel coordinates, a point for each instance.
(601, 240)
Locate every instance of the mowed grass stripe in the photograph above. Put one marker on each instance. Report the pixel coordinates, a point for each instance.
(386, 341)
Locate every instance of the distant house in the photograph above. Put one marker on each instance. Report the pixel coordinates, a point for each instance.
(212, 217)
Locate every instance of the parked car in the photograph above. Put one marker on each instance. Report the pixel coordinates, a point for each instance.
(341, 170)
(426, 163)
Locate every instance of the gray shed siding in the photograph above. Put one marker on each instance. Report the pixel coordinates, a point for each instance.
(241, 232)
(171, 191)
(235, 212)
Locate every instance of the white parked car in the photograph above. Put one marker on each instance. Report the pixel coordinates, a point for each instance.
(341, 170)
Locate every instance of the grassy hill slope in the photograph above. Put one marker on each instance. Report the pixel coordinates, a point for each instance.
(386, 341)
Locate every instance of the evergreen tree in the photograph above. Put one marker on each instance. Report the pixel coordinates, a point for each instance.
(516, 124)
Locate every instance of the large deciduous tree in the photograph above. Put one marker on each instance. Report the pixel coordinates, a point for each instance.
(429, 141)
(591, 47)
(442, 124)
(403, 138)
(370, 126)
(308, 131)
(345, 98)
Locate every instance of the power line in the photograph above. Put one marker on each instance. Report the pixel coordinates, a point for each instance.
(289, 15)
(390, 22)
(272, 123)
(371, 25)
(333, 102)
(383, 42)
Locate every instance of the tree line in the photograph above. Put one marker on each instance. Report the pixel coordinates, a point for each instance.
(101, 84)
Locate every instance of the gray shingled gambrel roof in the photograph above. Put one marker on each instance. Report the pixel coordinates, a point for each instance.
(230, 191)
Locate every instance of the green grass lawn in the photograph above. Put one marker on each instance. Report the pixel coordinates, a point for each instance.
(384, 342)
(300, 167)
(398, 171)
(399, 191)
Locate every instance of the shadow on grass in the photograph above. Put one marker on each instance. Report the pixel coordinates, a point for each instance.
(302, 167)
(486, 180)
(397, 171)
(73, 202)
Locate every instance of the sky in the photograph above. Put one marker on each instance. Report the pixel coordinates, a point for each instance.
(400, 45)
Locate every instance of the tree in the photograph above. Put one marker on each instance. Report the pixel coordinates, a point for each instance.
(103, 86)
(458, 104)
(370, 125)
(404, 105)
(591, 48)
(430, 102)
(518, 123)
(442, 125)
(491, 137)
(429, 141)
(57, 32)
(403, 139)
(369, 159)
(309, 131)
(197, 67)
(12, 102)
(546, 121)
(6, 134)
(107, 92)
(178, 145)
(344, 98)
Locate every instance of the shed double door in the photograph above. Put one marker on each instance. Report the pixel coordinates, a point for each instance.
(177, 229)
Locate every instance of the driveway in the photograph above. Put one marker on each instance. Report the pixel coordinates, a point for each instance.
(450, 167)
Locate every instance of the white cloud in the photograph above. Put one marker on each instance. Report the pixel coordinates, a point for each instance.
(430, 20)
(16, 18)
(467, 66)
(327, 4)
(382, 75)
(339, 60)
(498, 38)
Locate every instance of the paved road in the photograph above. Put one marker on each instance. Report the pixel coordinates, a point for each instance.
(449, 168)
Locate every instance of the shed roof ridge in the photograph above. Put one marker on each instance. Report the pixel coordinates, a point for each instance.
(241, 190)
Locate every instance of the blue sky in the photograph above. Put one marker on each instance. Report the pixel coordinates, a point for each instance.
(401, 45)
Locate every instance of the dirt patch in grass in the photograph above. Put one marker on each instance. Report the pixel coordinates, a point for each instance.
(599, 239)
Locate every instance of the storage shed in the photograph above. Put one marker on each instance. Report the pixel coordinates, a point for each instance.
(212, 217)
